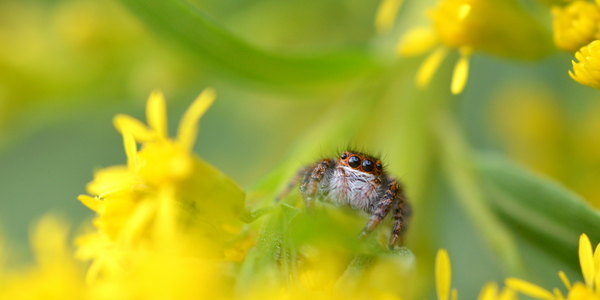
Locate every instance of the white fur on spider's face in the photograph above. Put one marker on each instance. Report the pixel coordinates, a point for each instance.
(356, 188)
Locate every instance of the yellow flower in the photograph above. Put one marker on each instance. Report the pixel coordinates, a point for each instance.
(56, 275)
(587, 70)
(590, 269)
(575, 25)
(496, 27)
(164, 197)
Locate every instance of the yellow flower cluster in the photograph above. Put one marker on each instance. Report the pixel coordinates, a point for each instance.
(588, 290)
(162, 220)
(575, 25)
(587, 70)
(492, 26)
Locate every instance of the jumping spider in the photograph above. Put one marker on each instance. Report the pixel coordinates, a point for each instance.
(359, 181)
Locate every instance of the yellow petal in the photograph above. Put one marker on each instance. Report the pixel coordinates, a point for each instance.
(529, 289)
(137, 222)
(139, 130)
(156, 113)
(188, 126)
(461, 73)
(463, 11)
(386, 14)
(91, 202)
(586, 260)
(49, 240)
(130, 150)
(454, 294)
(558, 294)
(576, 78)
(166, 216)
(430, 66)
(443, 274)
(507, 294)
(416, 41)
(488, 292)
(564, 279)
(597, 268)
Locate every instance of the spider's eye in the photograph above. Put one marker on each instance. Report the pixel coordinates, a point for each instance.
(343, 156)
(378, 166)
(367, 165)
(354, 161)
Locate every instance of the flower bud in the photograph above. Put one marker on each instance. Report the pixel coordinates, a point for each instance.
(575, 25)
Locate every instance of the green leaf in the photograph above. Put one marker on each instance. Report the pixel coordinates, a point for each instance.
(190, 27)
(289, 212)
(456, 159)
(540, 209)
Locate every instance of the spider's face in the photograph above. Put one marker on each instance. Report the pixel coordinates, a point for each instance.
(361, 162)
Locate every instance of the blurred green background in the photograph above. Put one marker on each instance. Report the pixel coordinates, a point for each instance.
(67, 67)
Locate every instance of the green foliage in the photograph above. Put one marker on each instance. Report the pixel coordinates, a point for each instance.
(213, 44)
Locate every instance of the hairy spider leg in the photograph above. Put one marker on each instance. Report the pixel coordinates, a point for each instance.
(293, 182)
(311, 183)
(383, 208)
(402, 211)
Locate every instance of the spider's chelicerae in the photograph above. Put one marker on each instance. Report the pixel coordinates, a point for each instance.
(359, 181)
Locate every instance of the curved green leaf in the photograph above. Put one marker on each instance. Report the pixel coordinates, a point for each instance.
(540, 210)
(462, 175)
(186, 24)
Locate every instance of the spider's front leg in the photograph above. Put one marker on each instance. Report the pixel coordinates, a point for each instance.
(293, 182)
(402, 212)
(383, 208)
(310, 183)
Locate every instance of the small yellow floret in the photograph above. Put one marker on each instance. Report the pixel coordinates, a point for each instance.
(575, 25)
(587, 70)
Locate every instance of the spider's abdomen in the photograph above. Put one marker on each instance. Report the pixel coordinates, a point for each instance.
(358, 189)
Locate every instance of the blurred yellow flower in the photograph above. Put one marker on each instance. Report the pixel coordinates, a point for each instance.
(56, 275)
(492, 26)
(538, 132)
(575, 25)
(590, 269)
(587, 70)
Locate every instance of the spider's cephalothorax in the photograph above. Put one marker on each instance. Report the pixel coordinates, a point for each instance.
(357, 180)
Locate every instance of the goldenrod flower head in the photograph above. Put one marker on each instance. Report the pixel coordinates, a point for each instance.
(164, 193)
(588, 290)
(575, 25)
(587, 70)
(492, 26)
